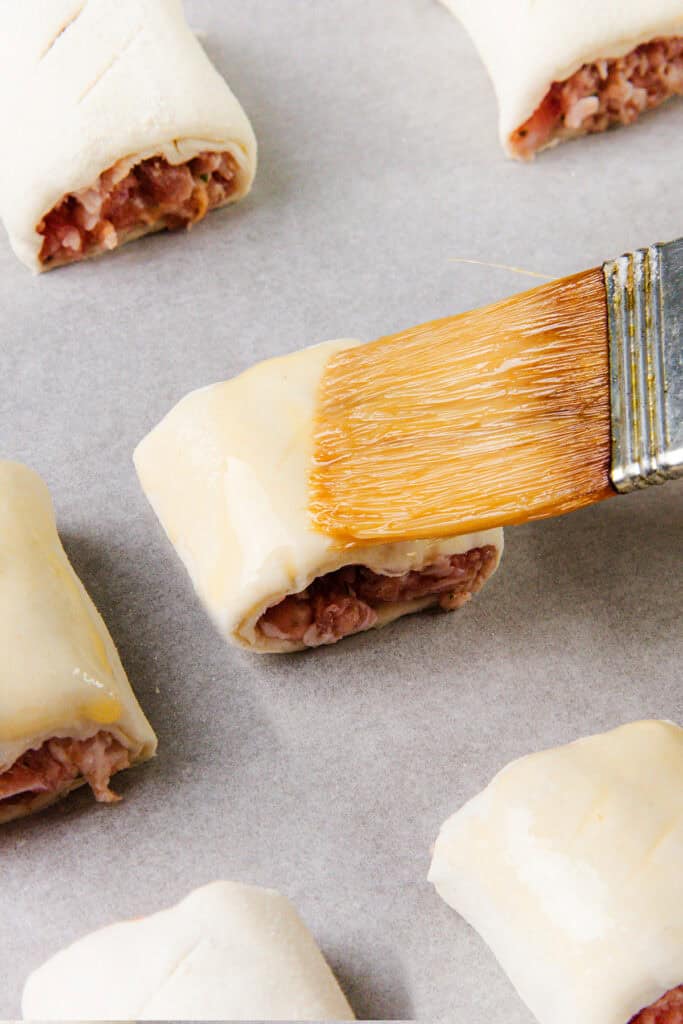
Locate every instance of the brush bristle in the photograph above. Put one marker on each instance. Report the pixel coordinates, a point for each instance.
(494, 417)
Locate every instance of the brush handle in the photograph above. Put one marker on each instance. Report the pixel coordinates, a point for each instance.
(645, 311)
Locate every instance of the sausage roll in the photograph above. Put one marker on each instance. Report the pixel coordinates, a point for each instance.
(67, 713)
(569, 866)
(227, 474)
(226, 952)
(114, 124)
(566, 69)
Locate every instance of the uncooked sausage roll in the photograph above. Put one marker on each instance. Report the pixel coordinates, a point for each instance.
(227, 952)
(569, 866)
(67, 713)
(227, 474)
(113, 124)
(565, 69)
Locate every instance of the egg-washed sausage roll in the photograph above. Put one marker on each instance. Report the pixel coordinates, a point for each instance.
(226, 952)
(68, 715)
(566, 69)
(113, 124)
(569, 866)
(227, 474)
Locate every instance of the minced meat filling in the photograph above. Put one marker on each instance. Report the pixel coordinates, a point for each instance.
(52, 768)
(128, 201)
(669, 1010)
(346, 601)
(607, 93)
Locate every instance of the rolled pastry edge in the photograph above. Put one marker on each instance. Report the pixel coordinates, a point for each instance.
(38, 804)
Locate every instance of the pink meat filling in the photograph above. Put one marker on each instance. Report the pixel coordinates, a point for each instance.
(127, 202)
(669, 1010)
(604, 94)
(346, 601)
(54, 766)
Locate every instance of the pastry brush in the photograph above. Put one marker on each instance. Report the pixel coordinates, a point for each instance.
(544, 403)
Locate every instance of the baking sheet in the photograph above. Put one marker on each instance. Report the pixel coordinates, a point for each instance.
(328, 775)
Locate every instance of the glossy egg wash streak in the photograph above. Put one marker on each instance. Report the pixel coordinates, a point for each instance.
(497, 416)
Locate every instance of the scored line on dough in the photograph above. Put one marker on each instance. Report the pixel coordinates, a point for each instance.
(67, 25)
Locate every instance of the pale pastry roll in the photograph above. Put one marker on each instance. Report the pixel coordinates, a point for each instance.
(68, 715)
(226, 952)
(569, 867)
(114, 124)
(227, 474)
(566, 69)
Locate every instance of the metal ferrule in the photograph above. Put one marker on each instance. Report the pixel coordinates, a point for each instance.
(645, 308)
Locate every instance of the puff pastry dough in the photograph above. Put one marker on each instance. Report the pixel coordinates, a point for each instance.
(87, 86)
(226, 952)
(569, 866)
(227, 474)
(527, 45)
(60, 674)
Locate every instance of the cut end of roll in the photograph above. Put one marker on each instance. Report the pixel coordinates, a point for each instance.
(667, 1010)
(602, 95)
(352, 599)
(495, 417)
(45, 774)
(129, 201)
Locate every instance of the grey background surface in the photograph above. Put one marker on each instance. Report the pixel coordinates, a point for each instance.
(328, 775)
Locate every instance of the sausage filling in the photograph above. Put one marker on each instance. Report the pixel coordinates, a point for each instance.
(347, 601)
(604, 94)
(53, 767)
(127, 202)
(669, 1010)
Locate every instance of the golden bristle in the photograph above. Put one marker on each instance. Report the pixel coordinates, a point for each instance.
(494, 417)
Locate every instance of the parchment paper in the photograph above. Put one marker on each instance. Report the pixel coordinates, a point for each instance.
(328, 775)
